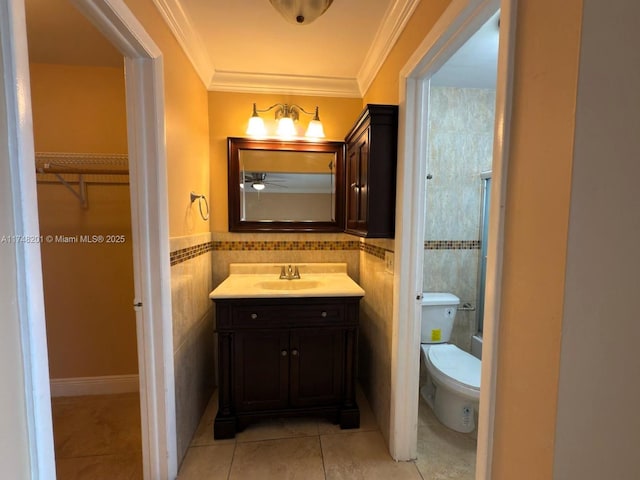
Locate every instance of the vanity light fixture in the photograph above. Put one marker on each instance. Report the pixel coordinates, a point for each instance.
(285, 115)
(301, 12)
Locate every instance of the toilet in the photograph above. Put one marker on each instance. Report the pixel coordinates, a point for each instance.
(452, 389)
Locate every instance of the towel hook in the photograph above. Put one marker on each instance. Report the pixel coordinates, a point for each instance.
(200, 198)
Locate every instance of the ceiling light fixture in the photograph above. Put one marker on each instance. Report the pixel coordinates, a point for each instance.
(285, 115)
(301, 12)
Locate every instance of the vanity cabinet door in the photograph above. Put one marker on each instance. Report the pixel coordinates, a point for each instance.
(316, 366)
(261, 370)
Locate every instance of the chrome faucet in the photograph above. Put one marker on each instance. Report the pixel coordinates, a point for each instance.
(289, 273)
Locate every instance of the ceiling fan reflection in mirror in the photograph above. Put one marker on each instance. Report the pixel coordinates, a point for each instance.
(258, 181)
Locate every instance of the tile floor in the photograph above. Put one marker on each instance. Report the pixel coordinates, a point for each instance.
(99, 438)
(443, 454)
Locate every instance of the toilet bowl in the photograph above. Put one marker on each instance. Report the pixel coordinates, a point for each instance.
(452, 389)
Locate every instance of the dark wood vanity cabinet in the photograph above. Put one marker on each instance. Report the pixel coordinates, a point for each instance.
(286, 357)
(371, 172)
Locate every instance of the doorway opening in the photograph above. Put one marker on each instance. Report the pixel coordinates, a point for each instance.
(80, 136)
(149, 235)
(458, 23)
(461, 104)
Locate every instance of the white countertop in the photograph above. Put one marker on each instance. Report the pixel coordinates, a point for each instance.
(261, 280)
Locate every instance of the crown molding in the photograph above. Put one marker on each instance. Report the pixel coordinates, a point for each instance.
(395, 19)
(186, 34)
(180, 24)
(285, 84)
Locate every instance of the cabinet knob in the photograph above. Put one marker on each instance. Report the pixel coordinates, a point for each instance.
(294, 352)
(283, 353)
(355, 186)
(254, 316)
(323, 314)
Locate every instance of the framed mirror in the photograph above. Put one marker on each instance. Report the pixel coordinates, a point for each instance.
(285, 186)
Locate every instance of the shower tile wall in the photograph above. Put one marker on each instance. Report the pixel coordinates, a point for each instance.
(460, 149)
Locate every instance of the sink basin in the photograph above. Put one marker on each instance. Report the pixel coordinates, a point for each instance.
(288, 284)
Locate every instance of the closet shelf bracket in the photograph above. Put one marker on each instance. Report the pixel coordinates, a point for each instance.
(81, 193)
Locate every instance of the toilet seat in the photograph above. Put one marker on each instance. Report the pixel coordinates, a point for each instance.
(453, 367)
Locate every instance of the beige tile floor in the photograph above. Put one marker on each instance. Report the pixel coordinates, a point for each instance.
(99, 438)
(443, 454)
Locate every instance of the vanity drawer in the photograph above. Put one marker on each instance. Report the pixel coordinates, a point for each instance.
(287, 315)
(280, 314)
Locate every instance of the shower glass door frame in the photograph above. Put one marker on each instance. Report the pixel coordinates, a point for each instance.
(485, 177)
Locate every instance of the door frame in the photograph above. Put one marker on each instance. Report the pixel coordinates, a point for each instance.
(150, 233)
(461, 19)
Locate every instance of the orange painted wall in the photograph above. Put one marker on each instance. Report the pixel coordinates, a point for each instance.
(186, 123)
(385, 87)
(91, 329)
(536, 228)
(539, 184)
(84, 109)
(228, 117)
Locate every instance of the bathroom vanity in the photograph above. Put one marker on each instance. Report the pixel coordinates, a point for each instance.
(286, 347)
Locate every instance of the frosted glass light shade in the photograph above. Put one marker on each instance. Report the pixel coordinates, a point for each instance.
(301, 12)
(286, 128)
(315, 129)
(256, 127)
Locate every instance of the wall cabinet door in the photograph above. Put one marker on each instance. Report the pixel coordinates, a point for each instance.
(357, 182)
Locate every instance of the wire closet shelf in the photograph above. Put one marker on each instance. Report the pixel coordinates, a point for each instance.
(76, 171)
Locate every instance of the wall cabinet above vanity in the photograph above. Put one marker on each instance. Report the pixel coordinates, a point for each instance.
(371, 173)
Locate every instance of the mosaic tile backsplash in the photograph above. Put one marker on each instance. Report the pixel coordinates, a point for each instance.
(183, 254)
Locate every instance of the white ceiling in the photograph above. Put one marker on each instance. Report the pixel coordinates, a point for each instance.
(475, 64)
(245, 45)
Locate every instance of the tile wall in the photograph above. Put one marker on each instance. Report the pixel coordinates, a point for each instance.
(376, 328)
(193, 337)
(461, 132)
(282, 248)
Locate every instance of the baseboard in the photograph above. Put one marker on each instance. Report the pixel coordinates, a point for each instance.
(106, 385)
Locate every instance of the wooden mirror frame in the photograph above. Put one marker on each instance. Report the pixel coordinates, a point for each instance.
(236, 224)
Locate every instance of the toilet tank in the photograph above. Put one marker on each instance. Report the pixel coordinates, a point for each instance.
(438, 313)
